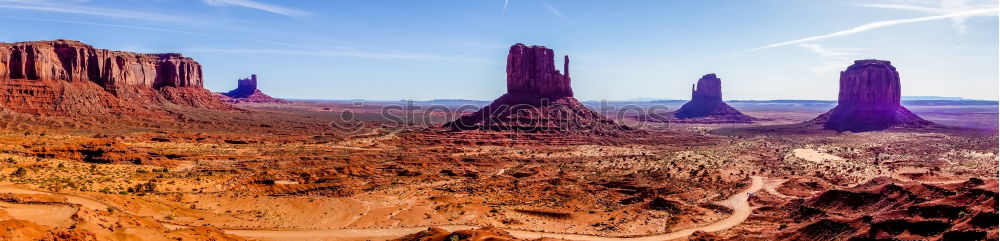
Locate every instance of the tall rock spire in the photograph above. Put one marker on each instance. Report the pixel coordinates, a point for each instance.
(566, 66)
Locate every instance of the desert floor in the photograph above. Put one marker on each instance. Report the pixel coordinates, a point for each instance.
(281, 172)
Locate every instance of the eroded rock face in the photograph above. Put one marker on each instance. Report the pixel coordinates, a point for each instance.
(246, 91)
(75, 61)
(65, 77)
(706, 105)
(538, 99)
(869, 99)
(532, 70)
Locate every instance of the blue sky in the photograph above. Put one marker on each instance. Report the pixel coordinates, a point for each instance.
(619, 50)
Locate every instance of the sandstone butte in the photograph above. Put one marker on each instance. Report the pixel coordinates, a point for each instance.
(706, 104)
(869, 100)
(65, 77)
(247, 91)
(539, 98)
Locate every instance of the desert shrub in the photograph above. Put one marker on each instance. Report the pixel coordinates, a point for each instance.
(20, 172)
(143, 187)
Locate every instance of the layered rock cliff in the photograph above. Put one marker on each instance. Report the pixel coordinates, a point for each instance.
(75, 61)
(869, 99)
(538, 99)
(69, 77)
(247, 91)
(706, 105)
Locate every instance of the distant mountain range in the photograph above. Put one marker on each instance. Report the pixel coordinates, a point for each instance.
(932, 98)
(909, 99)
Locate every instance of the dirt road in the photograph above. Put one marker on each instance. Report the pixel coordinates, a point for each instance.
(738, 202)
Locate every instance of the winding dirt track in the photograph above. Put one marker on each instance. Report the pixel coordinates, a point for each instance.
(738, 202)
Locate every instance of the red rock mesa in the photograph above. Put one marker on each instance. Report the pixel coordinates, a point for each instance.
(65, 77)
(246, 91)
(869, 100)
(538, 99)
(706, 104)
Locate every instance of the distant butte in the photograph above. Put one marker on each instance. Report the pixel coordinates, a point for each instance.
(538, 99)
(869, 100)
(247, 91)
(706, 105)
(65, 77)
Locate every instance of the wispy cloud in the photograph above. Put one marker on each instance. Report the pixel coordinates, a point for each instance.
(559, 14)
(553, 10)
(259, 6)
(830, 58)
(828, 52)
(46, 6)
(877, 25)
(938, 7)
(106, 25)
(342, 53)
(505, 2)
(166, 30)
(903, 7)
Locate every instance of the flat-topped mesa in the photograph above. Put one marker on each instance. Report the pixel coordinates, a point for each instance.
(75, 61)
(869, 99)
(65, 77)
(872, 83)
(531, 70)
(706, 105)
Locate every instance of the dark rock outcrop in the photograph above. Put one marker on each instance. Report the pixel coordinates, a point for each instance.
(538, 99)
(869, 100)
(65, 77)
(706, 105)
(246, 91)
